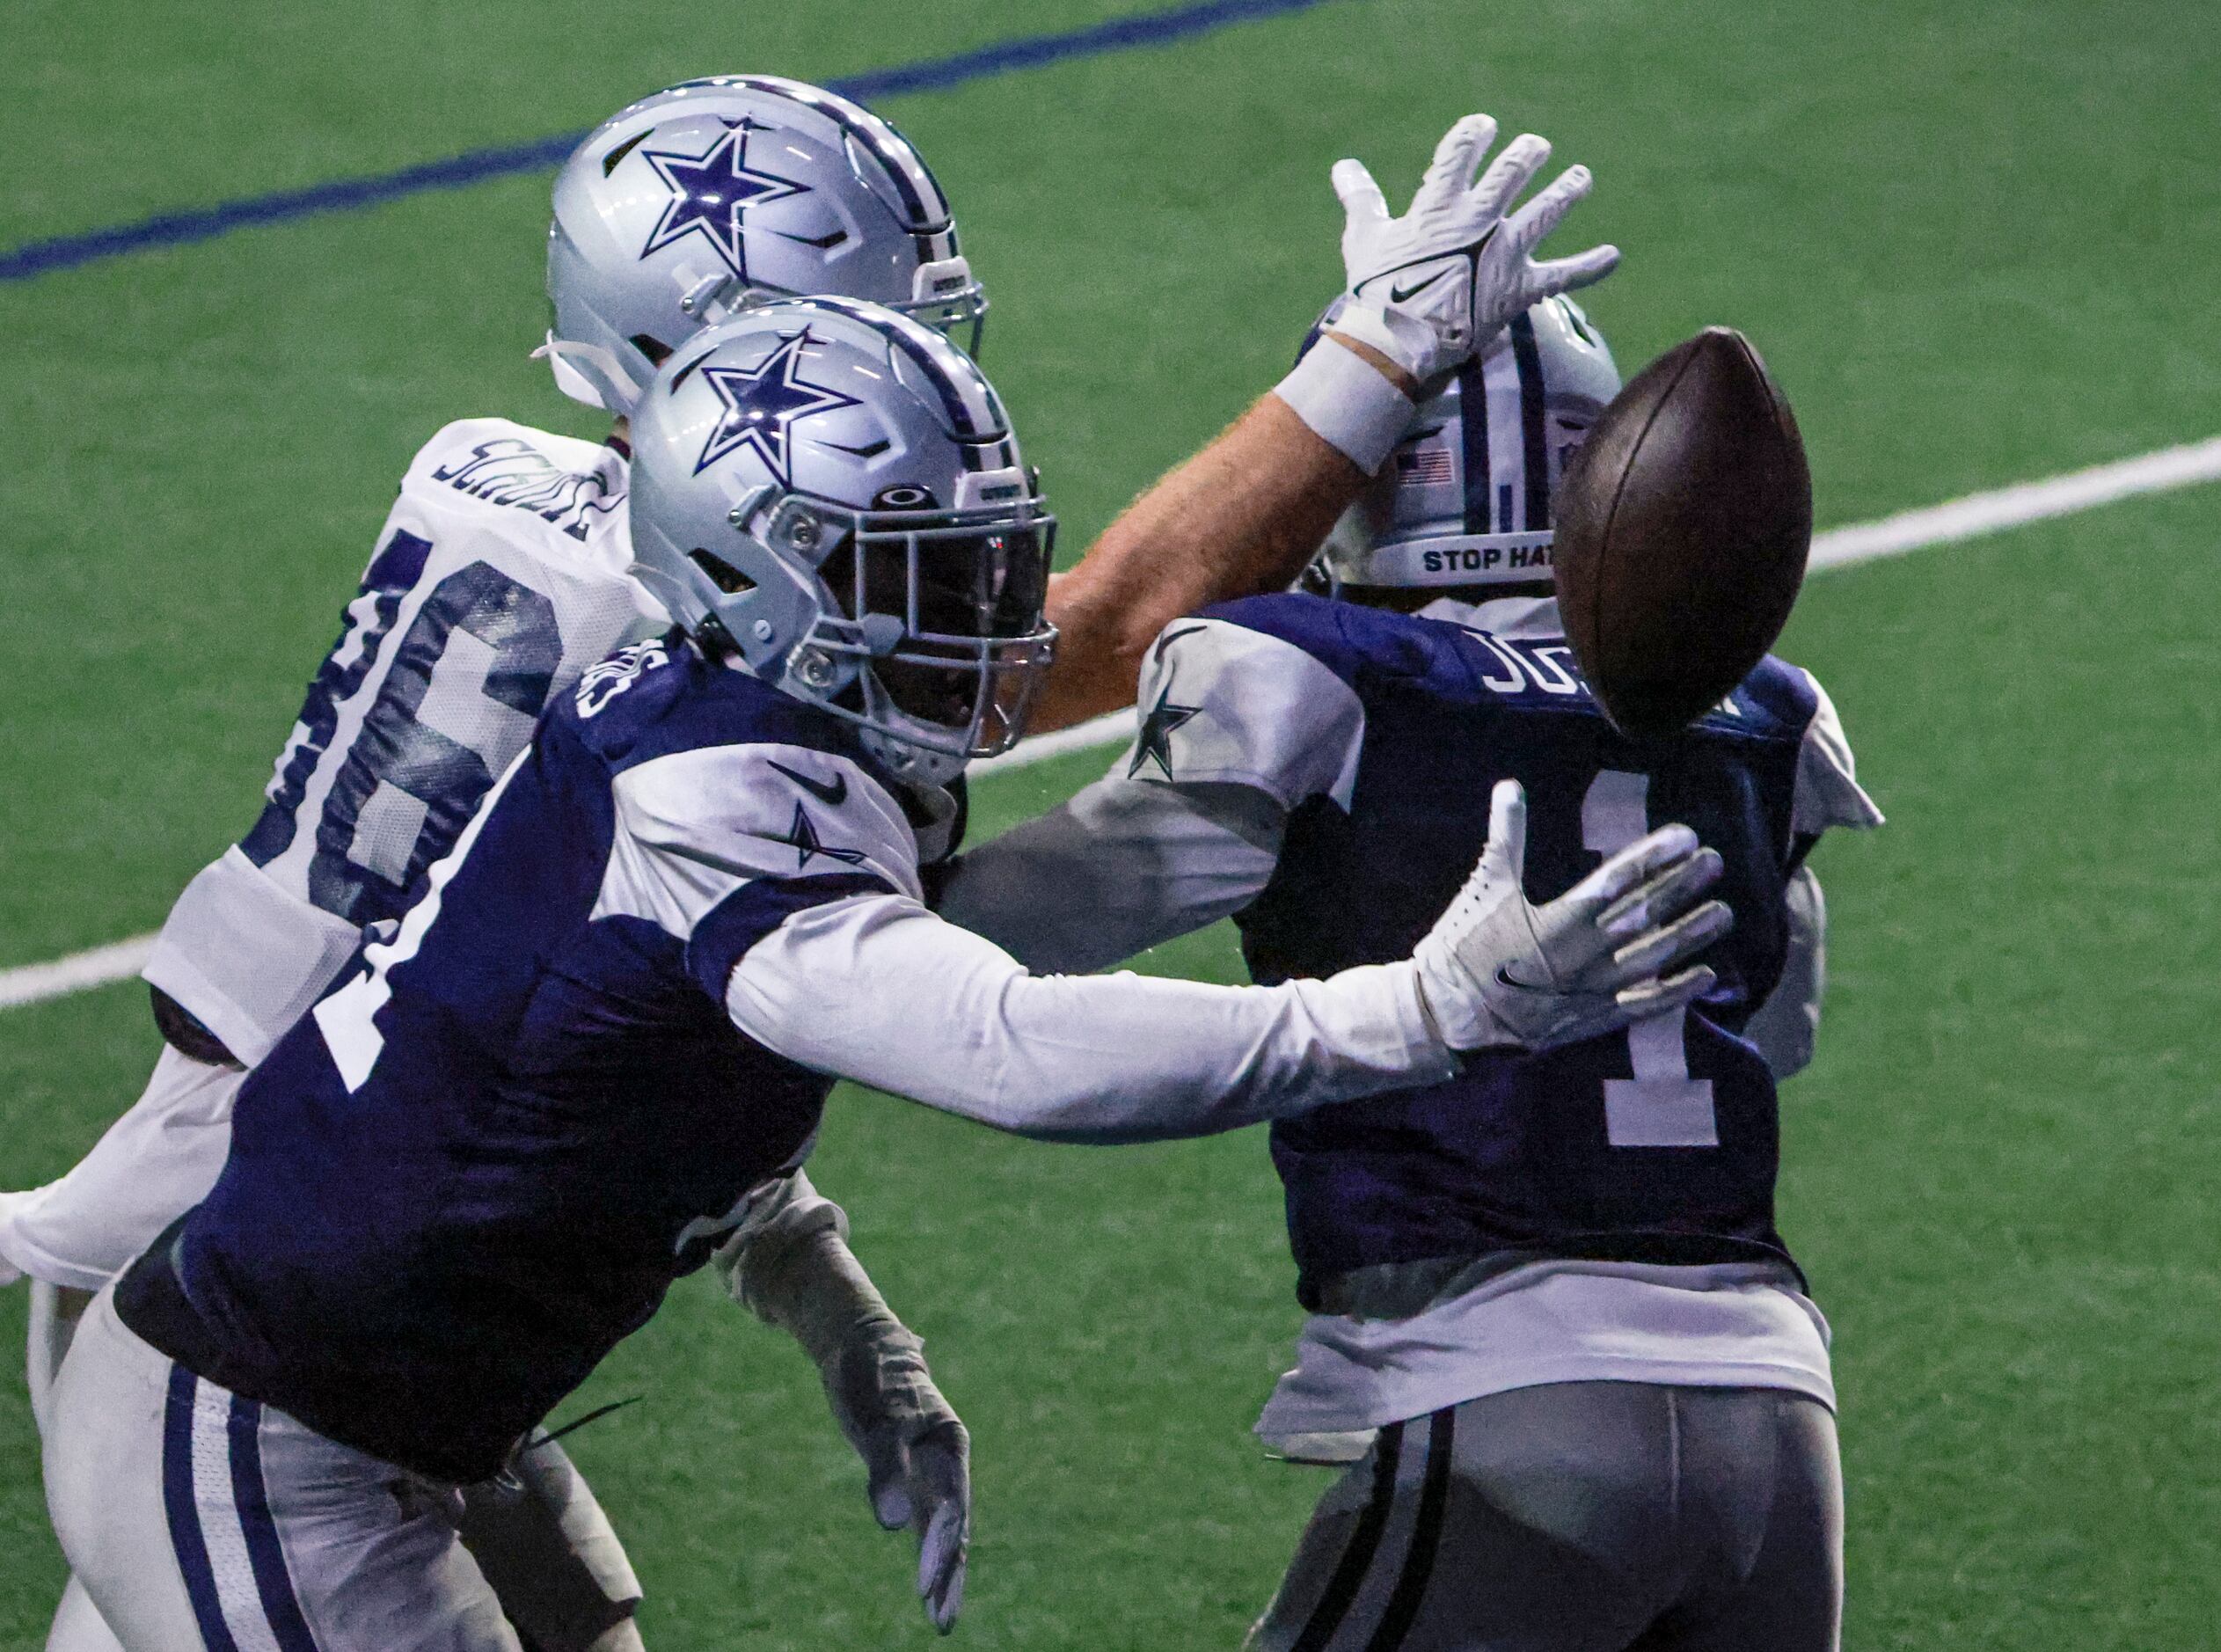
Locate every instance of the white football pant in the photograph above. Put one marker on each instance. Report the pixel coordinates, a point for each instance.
(195, 1518)
(563, 1573)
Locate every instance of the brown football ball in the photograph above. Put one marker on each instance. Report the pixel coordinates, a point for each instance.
(1683, 528)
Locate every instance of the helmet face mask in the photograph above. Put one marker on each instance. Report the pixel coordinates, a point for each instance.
(693, 205)
(934, 620)
(830, 493)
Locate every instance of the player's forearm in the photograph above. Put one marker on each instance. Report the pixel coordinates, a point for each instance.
(791, 1267)
(1242, 516)
(1121, 866)
(881, 991)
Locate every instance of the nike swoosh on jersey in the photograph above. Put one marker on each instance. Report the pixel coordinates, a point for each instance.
(832, 792)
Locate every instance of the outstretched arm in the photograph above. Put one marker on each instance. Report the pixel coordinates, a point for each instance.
(876, 988)
(1243, 515)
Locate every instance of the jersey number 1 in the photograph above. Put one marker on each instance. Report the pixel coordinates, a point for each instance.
(1662, 1106)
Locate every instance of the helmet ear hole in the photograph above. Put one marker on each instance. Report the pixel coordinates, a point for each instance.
(722, 573)
(652, 348)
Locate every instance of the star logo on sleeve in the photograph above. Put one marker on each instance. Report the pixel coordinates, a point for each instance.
(1154, 745)
(762, 403)
(809, 846)
(711, 194)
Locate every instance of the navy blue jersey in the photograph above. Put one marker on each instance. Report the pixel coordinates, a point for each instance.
(1656, 1144)
(479, 1162)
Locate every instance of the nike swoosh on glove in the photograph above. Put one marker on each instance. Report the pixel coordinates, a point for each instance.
(1496, 969)
(1431, 289)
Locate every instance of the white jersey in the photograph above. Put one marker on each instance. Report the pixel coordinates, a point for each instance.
(499, 577)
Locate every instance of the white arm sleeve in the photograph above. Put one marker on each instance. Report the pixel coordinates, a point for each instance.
(1786, 1025)
(1239, 727)
(1124, 864)
(878, 989)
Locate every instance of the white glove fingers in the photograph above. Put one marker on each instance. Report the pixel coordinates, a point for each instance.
(1508, 175)
(941, 1477)
(1539, 217)
(1662, 949)
(1651, 999)
(1665, 896)
(1506, 851)
(941, 1556)
(1630, 869)
(945, 1552)
(1571, 274)
(1457, 157)
(1360, 195)
(889, 1474)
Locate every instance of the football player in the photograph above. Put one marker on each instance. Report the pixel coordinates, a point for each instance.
(596, 1046)
(499, 576)
(1550, 1310)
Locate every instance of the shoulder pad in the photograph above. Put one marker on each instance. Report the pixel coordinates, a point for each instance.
(1778, 697)
(1225, 702)
(750, 813)
(663, 696)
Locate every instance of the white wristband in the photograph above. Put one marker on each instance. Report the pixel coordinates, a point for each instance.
(1349, 402)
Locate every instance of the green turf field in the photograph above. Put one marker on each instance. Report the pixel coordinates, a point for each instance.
(1975, 244)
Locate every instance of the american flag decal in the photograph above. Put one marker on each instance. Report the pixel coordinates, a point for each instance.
(1423, 467)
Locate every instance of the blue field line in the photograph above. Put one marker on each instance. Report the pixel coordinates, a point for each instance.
(457, 171)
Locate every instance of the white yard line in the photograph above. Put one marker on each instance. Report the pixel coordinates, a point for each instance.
(1966, 518)
(1979, 514)
(32, 984)
(1113, 729)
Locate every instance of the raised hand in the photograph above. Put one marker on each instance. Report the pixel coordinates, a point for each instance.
(1431, 289)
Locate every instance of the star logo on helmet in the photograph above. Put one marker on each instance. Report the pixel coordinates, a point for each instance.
(710, 193)
(762, 403)
(1155, 743)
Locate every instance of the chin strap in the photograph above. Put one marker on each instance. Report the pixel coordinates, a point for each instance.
(582, 387)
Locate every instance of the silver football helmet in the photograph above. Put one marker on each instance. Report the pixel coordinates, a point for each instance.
(1464, 499)
(830, 492)
(691, 205)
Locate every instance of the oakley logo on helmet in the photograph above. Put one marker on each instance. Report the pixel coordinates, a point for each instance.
(760, 403)
(711, 193)
(902, 496)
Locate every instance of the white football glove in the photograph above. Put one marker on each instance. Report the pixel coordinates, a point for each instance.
(788, 1262)
(1496, 969)
(1431, 289)
(917, 1456)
